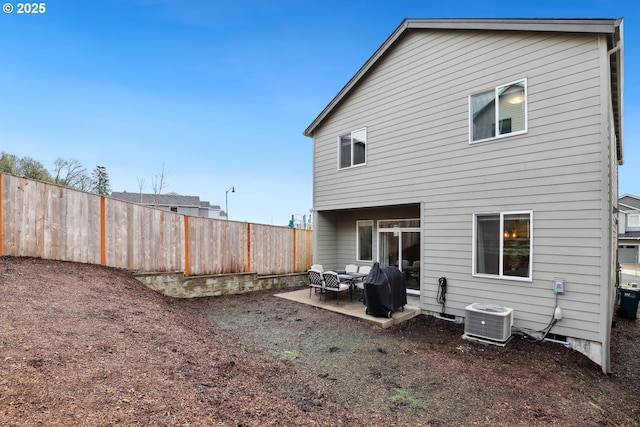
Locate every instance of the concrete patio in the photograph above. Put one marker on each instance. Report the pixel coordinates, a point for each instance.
(354, 308)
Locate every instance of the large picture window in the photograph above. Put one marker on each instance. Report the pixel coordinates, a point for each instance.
(352, 149)
(502, 245)
(490, 119)
(365, 241)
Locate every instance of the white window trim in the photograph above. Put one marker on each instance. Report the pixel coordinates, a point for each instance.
(366, 149)
(635, 216)
(380, 230)
(370, 221)
(526, 113)
(501, 276)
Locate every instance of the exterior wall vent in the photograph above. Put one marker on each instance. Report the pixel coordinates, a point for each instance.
(488, 321)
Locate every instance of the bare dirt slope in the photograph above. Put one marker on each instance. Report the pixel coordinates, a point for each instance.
(82, 345)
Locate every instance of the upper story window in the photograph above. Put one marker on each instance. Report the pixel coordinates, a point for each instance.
(352, 149)
(502, 245)
(633, 220)
(490, 119)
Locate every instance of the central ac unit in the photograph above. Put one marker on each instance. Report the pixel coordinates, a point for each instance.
(488, 321)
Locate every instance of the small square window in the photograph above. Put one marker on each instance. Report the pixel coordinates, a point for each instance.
(352, 149)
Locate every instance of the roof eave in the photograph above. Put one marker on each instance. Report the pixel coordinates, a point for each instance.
(618, 85)
(506, 24)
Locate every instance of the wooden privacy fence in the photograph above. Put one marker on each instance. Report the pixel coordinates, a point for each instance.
(43, 220)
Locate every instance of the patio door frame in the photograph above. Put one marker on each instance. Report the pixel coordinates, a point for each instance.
(400, 230)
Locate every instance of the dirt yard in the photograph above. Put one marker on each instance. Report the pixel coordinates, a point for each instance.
(82, 345)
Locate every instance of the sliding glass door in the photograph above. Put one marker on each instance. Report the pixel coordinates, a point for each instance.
(399, 246)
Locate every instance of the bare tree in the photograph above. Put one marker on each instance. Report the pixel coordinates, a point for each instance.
(141, 182)
(83, 183)
(69, 173)
(158, 184)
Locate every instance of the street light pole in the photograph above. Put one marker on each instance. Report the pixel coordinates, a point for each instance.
(226, 200)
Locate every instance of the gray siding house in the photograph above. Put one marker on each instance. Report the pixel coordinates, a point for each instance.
(485, 151)
(629, 229)
(173, 202)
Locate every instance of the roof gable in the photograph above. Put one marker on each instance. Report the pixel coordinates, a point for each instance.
(611, 27)
(629, 201)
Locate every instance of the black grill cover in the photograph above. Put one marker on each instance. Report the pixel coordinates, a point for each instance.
(398, 286)
(385, 290)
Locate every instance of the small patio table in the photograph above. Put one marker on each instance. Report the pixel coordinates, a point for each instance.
(345, 277)
(351, 278)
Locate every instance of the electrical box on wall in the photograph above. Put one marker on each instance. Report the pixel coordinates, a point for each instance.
(558, 286)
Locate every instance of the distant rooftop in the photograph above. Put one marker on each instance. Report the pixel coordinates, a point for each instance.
(169, 199)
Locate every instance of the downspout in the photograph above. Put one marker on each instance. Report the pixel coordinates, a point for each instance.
(611, 155)
(606, 188)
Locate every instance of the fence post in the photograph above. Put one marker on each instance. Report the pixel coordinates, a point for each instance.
(1, 219)
(295, 251)
(186, 246)
(248, 248)
(103, 231)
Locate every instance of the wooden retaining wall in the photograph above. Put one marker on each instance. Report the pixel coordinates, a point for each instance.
(43, 220)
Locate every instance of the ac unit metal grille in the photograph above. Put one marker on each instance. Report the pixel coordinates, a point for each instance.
(488, 321)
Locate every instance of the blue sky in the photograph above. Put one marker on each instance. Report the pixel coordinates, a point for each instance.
(219, 92)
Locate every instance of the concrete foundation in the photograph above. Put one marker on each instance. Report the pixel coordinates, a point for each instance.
(175, 284)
